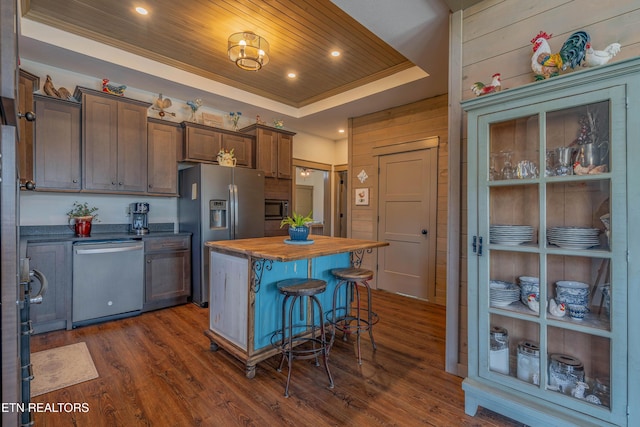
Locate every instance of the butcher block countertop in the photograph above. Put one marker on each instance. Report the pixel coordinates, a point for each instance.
(275, 249)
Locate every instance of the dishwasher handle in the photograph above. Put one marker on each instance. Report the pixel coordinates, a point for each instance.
(111, 249)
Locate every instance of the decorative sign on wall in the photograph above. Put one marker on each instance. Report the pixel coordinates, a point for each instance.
(362, 197)
(362, 176)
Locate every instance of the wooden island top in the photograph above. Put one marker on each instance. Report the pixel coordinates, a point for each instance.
(275, 249)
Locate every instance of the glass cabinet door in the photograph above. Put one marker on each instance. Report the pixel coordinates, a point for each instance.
(552, 216)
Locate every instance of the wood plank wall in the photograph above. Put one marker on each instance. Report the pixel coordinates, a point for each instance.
(407, 123)
(496, 37)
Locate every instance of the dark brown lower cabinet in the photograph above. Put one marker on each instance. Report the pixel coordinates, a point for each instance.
(167, 271)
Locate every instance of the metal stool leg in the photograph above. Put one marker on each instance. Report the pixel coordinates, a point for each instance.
(370, 313)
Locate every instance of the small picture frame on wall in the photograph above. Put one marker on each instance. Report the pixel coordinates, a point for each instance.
(212, 120)
(362, 197)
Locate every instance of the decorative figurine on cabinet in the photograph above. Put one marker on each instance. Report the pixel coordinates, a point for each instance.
(594, 58)
(480, 88)
(160, 104)
(113, 89)
(194, 105)
(62, 93)
(546, 64)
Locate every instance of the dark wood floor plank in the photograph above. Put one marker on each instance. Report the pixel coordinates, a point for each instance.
(156, 369)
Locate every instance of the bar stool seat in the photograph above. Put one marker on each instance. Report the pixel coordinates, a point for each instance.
(306, 338)
(346, 318)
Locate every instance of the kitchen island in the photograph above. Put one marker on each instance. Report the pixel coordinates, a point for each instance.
(244, 302)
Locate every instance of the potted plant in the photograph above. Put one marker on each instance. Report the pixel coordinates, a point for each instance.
(298, 229)
(82, 216)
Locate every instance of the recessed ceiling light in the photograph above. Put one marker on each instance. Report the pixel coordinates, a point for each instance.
(340, 130)
(335, 53)
(141, 10)
(291, 75)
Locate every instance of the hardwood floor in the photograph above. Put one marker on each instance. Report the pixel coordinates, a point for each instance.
(157, 369)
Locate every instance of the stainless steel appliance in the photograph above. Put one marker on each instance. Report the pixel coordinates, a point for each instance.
(108, 280)
(139, 212)
(218, 203)
(276, 209)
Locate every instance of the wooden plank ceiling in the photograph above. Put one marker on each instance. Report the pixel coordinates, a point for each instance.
(192, 36)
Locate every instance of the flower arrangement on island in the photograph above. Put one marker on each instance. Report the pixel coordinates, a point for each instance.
(235, 118)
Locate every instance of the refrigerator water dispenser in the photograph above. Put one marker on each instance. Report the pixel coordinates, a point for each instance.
(217, 214)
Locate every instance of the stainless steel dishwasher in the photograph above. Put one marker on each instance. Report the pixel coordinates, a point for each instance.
(108, 280)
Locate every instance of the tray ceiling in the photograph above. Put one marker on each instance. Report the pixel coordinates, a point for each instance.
(192, 36)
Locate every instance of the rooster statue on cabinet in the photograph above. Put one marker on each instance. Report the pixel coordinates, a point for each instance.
(594, 57)
(545, 63)
(480, 88)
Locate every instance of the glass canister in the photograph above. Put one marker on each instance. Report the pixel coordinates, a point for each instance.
(564, 372)
(601, 391)
(529, 362)
(499, 350)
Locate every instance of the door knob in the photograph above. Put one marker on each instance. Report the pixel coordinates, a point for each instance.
(29, 115)
(424, 232)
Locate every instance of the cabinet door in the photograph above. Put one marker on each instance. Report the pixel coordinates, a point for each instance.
(267, 152)
(549, 251)
(202, 144)
(162, 142)
(167, 279)
(100, 142)
(132, 147)
(242, 148)
(57, 144)
(285, 147)
(27, 84)
(54, 261)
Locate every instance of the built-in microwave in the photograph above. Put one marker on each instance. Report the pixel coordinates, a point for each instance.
(276, 209)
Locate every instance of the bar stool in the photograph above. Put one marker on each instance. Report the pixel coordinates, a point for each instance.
(344, 315)
(305, 340)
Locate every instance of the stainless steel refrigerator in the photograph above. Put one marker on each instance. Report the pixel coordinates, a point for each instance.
(218, 203)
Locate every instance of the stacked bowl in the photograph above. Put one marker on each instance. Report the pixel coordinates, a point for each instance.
(529, 285)
(572, 292)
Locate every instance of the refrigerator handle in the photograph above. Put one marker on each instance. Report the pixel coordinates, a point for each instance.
(233, 200)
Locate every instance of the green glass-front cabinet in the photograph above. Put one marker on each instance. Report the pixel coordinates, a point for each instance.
(554, 249)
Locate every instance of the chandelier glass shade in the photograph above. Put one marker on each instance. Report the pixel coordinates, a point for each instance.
(248, 50)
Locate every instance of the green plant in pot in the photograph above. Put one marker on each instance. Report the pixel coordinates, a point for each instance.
(82, 216)
(298, 229)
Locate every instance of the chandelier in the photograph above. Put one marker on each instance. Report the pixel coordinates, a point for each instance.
(304, 172)
(248, 50)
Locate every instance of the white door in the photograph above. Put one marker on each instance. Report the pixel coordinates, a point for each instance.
(407, 220)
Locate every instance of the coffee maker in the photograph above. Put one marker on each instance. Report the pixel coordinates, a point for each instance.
(139, 218)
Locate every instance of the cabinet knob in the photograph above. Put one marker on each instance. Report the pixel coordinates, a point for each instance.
(113, 183)
(424, 231)
(150, 185)
(120, 183)
(28, 185)
(75, 181)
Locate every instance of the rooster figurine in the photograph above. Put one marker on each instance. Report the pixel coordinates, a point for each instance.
(594, 58)
(545, 63)
(480, 88)
(112, 89)
(558, 310)
(160, 103)
(532, 303)
(49, 88)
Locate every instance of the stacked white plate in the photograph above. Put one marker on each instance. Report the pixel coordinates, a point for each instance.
(573, 237)
(510, 234)
(502, 293)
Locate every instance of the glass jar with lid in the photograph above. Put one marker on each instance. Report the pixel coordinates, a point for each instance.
(499, 350)
(565, 372)
(529, 362)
